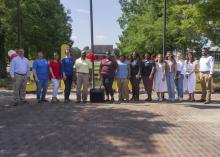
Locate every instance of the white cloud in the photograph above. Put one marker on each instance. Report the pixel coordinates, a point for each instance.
(100, 37)
(83, 11)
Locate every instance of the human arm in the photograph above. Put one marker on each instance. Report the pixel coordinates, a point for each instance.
(62, 69)
(152, 71)
(211, 67)
(12, 67)
(34, 71)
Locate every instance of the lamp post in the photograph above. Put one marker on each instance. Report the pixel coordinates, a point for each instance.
(92, 42)
(18, 23)
(164, 28)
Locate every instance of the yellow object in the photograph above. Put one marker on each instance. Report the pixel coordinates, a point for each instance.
(115, 87)
(64, 47)
(31, 85)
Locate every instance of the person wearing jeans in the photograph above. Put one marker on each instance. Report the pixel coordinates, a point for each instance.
(55, 75)
(179, 76)
(68, 74)
(170, 69)
(107, 71)
(40, 69)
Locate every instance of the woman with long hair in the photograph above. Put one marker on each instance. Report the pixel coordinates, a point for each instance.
(135, 67)
(179, 76)
(160, 85)
(189, 68)
(170, 69)
(55, 75)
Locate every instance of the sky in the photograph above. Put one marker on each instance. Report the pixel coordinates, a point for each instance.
(106, 27)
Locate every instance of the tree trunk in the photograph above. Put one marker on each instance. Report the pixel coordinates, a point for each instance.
(3, 64)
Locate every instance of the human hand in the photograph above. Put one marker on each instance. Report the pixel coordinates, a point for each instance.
(151, 77)
(64, 77)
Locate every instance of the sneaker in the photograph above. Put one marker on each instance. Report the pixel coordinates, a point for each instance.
(207, 102)
(39, 101)
(44, 100)
(160, 99)
(54, 100)
(84, 101)
(180, 99)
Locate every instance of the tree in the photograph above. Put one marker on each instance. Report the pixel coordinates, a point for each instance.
(75, 52)
(45, 26)
(190, 24)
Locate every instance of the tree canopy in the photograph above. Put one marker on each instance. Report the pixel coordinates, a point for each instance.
(190, 24)
(45, 26)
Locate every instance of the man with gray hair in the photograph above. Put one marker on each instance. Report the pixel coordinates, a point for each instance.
(20, 73)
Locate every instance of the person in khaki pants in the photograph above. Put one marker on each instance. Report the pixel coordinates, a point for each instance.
(122, 77)
(206, 69)
(83, 68)
(20, 73)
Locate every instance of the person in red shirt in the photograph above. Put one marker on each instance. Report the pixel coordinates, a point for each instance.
(55, 75)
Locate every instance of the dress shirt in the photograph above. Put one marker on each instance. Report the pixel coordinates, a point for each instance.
(20, 65)
(206, 64)
(83, 66)
(180, 65)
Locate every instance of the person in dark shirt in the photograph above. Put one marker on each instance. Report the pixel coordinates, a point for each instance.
(147, 73)
(107, 71)
(67, 71)
(135, 67)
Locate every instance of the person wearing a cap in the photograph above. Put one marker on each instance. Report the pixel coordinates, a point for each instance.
(83, 68)
(68, 74)
(206, 69)
(107, 71)
(40, 70)
(20, 73)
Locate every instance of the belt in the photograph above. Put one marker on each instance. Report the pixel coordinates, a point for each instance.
(81, 73)
(21, 74)
(205, 72)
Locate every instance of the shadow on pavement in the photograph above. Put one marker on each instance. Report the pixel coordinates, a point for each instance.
(58, 130)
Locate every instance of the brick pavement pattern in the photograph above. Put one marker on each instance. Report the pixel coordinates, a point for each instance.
(109, 130)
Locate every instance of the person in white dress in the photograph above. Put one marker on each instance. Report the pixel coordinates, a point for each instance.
(160, 85)
(190, 76)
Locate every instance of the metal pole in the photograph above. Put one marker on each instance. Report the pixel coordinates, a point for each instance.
(164, 28)
(92, 43)
(19, 24)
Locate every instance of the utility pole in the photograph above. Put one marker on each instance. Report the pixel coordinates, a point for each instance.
(92, 43)
(164, 28)
(19, 23)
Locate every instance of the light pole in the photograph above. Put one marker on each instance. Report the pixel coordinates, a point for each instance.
(164, 28)
(19, 23)
(92, 42)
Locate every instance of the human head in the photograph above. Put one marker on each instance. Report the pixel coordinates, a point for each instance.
(134, 56)
(190, 57)
(204, 51)
(20, 52)
(147, 55)
(56, 56)
(40, 55)
(160, 58)
(108, 54)
(122, 57)
(169, 55)
(179, 56)
(83, 54)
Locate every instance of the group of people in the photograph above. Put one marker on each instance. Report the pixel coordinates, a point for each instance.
(175, 76)
(67, 69)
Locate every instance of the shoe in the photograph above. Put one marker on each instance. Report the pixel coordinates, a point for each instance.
(180, 99)
(78, 101)
(66, 101)
(55, 100)
(39, 101)
(84, 101)
(148, 99)
(160, 99)
(201, 100)
(112, 100)
(207, 102)
(44, 100)
(24, 102)
(16, 103)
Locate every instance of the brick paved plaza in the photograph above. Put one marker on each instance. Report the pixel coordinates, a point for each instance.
(102, 130)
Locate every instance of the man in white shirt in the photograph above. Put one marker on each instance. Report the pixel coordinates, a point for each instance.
(206, 69)
(20, 73)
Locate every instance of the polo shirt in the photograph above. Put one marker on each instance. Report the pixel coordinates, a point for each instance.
(41, 67)
(83, 65)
